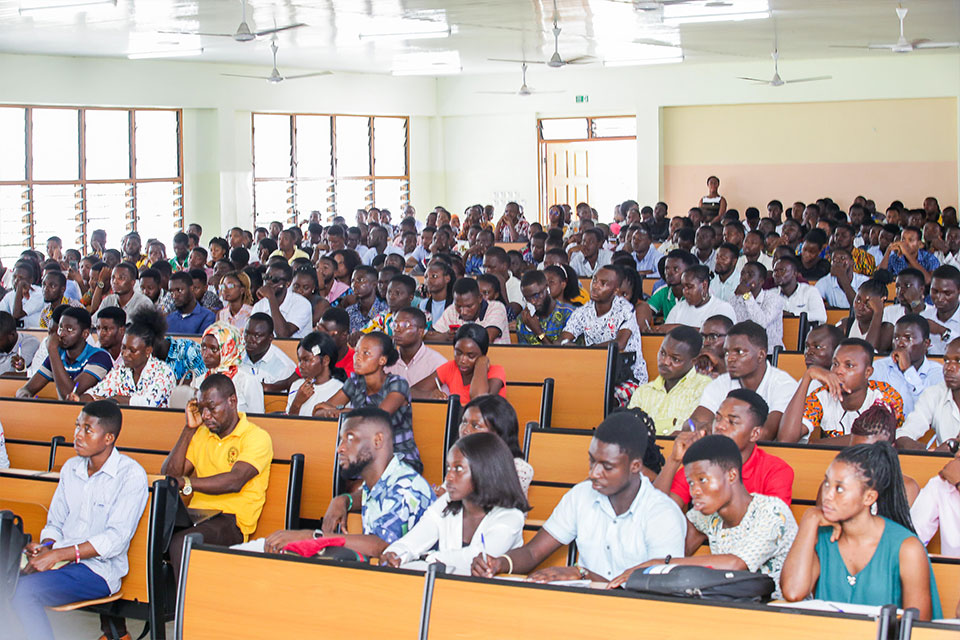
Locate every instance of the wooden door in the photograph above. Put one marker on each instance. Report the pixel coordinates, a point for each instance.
(568, 172)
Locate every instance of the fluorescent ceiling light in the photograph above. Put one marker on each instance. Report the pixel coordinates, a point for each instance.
(728, 17)
(442, 31)
(44, 5)
(427, 63)
(737, 10)
(642, 61)
(171, 53)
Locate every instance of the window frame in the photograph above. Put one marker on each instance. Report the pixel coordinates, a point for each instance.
(294, 215)
(27, 216)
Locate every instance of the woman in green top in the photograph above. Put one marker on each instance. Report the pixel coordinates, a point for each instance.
(860, 546)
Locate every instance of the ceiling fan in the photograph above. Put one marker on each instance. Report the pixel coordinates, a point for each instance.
(902, 45)
(243, 32)
(524, 89)
(555, 61)
(275, 77)
(777, 81)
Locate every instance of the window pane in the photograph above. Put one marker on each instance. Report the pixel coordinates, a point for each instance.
(272, 155)
(107, 144)
(158, 211)
(390, 146)
(563, 129)
(109, 207)
(352, 195)
(56, 145)
(13, 130)
(273, 201)
(314, 149)
(614, 127)
(14, 232)
(353, 146)
(391, 194)
(314, 195)
(158, 149)
(56, 212)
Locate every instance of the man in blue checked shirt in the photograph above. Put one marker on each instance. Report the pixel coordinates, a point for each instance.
(391, 498)
(82, 553)
(908, 252)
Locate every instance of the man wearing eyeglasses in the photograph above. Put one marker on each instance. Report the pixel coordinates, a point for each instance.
(543, 318)
(189, 317)
(292, 314)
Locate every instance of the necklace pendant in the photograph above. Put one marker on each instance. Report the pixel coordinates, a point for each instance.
(852, 580)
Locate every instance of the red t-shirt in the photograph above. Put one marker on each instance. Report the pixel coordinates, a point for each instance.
(449, 375)
(347, 363)
(763, 473)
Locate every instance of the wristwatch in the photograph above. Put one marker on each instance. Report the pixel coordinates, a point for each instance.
(187, 486)
(541, 336)
(101, 285)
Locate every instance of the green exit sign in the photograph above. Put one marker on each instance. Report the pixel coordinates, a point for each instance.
(583, 99)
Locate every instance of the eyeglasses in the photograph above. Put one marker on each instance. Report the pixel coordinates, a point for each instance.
(713, 337)
(228, 287)
(276, 280)
(536, 295)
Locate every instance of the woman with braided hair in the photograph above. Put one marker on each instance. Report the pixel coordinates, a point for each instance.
(860, 546)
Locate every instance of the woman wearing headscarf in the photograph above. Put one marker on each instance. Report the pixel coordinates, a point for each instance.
(222, 350)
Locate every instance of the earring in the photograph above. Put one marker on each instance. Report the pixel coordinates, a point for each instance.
(873, 509)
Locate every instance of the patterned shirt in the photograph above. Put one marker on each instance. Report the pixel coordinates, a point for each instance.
(184, 356)
(211, 301)
(553, 325)
(381, 322)
(396, 501)
(358, 320)
(474, 265)
(863, 262)
(152, 390)
(823, 411)
(668, 409)
(762, 539)
(401, 420)
(898, 263)
(47, 314)
(597, 330)
(165, 303)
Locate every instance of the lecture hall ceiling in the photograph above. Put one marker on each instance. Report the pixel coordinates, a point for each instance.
(460, 36)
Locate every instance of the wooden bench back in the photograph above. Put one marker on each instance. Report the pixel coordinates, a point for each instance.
(835, 314)
(295, 597)
(158, 430)
(650, 346)
(433, 421)
(793, 363)
(947, 572)
(29, 454)
(524, 610)
(791, 333)
(9, 386)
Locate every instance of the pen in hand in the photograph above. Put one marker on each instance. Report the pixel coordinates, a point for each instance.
(483, 548)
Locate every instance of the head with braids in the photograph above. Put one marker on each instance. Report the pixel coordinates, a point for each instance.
(652, 453)
(865, 478)
(876, 424)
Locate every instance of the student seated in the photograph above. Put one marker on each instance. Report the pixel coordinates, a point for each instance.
(141, 380)
(371, 386)
(937, 507)
(840, 287)
(320, 377)
(391, 498)
(493, 414)
(222, 350)
(470, 374)
(740, 417)
(82, 551)
(746, 531)
(264, 360)
(230, 478)
(417, 361)
(676, 392)
(72, 364)
(907, 369)
(616, 516)
(822, 341)
(542, 319)
(764, 306)
(909, 297)
(846, 391)
(697, 304)
(189, 317)
(480, 515)
(711, 361)
(746, 359)
(860, 546)
(867, 321)
(16, 348)
(400, 294)
(938, 408)
(798, 297)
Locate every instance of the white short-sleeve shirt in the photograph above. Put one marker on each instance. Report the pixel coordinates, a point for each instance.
(685, 313)
(776, 388)
(937, 346)
(805, 299)
(609, 544)
(295, 309)
(273, 367)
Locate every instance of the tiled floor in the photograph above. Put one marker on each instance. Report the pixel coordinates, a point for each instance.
(78, 625)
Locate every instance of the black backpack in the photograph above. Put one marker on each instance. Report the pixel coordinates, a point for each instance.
(689, 581)
(12, 542)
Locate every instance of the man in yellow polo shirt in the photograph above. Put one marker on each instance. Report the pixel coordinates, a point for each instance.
(675, 394)
(222, 462)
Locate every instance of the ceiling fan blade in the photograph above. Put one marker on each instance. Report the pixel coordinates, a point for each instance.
(813, 79)
(656, 43)
(308, 75)
(538, 92)
(852, 46)
(498, 93)
(884, 45)
(937, 45)
(196, 33)
(515, 60)
(241, 75)
(753, 79)
(580, 60)
(267, 32)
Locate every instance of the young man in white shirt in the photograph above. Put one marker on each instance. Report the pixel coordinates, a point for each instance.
(798, 297)
(92, 518)
(698, 304)
(910, 294)
(907, 369)
(840, 287)
(937, 407)
(944, 316)
(292, 314)
(727, 272)
(264, 360)
(592, 256)
(25, 300)
(617, 518)
(747, 368)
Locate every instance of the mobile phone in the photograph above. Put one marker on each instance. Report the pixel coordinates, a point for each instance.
(74, 264)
